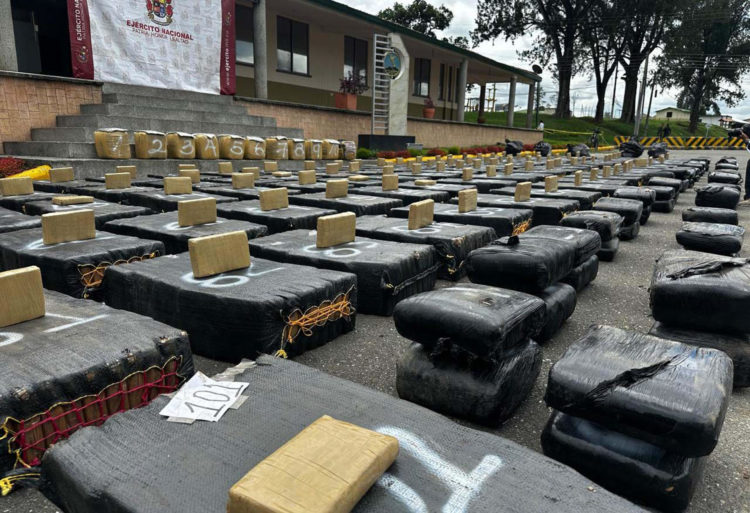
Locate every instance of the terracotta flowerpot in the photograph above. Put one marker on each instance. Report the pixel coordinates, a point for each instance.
(428, 112)
(346, 101)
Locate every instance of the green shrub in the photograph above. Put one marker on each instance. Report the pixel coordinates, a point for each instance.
(454, 150)
(364, 153)
(415, 152)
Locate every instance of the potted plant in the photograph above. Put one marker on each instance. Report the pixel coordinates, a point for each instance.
(349, 87)
(428, 111)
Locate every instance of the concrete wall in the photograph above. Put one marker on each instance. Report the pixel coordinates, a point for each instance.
(321, 123)
(32, 101)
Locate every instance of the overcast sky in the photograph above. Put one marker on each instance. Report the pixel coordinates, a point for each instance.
(583, 93)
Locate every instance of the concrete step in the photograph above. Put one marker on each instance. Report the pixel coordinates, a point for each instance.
(90, 168)
(181, 105)
(156, 92)
(226, 115)
(165, 125)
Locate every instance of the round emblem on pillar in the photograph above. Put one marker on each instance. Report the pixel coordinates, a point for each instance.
(392, 63)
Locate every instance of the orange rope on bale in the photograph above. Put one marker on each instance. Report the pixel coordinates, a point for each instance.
(303, 322)
(92, 275)
(522, 227)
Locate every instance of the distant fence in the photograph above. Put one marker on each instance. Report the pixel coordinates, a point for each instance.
(689, 142)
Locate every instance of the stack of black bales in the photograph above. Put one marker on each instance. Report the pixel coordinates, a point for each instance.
(637, 414)
(718, 195)
(726, 170)
(630, 210)
(473, 355)
(703, 299)
(606, 224)
(718, 238)
(536, 265)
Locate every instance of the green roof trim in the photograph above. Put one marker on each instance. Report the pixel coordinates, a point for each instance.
(394, 27)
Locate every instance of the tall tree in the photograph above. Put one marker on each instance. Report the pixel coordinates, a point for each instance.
(706, 53)
(558, 23)
(603, 42)
(419, 15)
(643, 31)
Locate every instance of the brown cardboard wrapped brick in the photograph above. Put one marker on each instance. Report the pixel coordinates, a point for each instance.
(255, 148)
(337, 188)
(388, 169)
(467, 174)
(193, 174)
(467, 200)
(132, 170)
(150, 144)
(327, 468)
(117, 180)
(491, 170)
(523, 191)
(309, 165)
(255, 171)
(231, 147)
(440, 166)
(206, 146)
(424, 182)
(178, 185)
(216, 254)
(296, 149)
(180, 145)
(68, 226)
(269, 166)
(349, 150)
(330, 149)
(307, 177)
(61, 174)
(274, 199)
(336, 229)
(390, 182)
(16, 186)
(225, 168)
(243, 180)
(195, 212)
(21, 296)
(314, 149)
(112, 143)
(550, 184)
(332, 168)
(72, 200)
(421, 214)
(354, 165)
(277, 148)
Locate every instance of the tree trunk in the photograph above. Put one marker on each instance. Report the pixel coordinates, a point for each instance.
(697, 101)
(630, 98)
(601, 92)
(564, 75)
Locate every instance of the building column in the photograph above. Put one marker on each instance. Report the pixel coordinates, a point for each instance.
(8, 59)
(530, 105)
(260, 49)
(482, 98)
(463, 74)
(511, 101)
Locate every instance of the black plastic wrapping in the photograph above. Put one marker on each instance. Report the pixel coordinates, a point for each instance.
(710, 215)
(736, 346)
(100, 192)
(442, 466)
(580, 150)
(64, 266)
(103, 211)
(717, 195)
(582, 275)
(664, 206)
(483, 184)
(585, 199)
(166, 228)
(452, 242)
(360, 204)
(407, 196)
(544, 148)
(241, 194)
(586, 243)
(17, 202)
(645, 215)
(505, 221)
(450, 188)
(485, 393)
(630, 232)
(528, 265)
(645, 195)
(657, 149)
(631, 149)
(78, 348)
(157, 201)
(281, 220)
(635, 469)
(484, 321)
(560, 299)
(675, 183)
(387, 272)
(726, 165)
(724, 177)
(513, 147)
(546, 211)
(666, 393)
(629, 209)
(58, 187)
(701, 291)
(606, 224)
(722, 239)
(11, 221)
(237, 314)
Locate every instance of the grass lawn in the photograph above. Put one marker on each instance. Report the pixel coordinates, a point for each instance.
(609, 127)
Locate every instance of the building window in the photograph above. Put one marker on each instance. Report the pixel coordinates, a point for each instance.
(244, 41)
(450, 84)
(355, 57)
(292, 46)
(457, 86)
(441, 83)
(421, 77)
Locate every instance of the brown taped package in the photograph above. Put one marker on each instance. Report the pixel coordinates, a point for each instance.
(330, 149)
(112, 143)
(225, 168)
(243, 180)
(150, 145)
(131, 170)
(194, 212)
(68, 226)
(21, 296)
(337, 188)
(193, 174)
(117, 180)
(269, 166)
(313, 149)
(206, 146)
(523, 191)
(467, 200)
(336, 229)
(306, 177)
(61, 174)
(255, 148)
(180, 145)
(72, 200)
(274, 199)
(309, 165)
(421, 214)
(348, 150)
(296, 149)
(216, 254)
(550, 184)
(326, 468)
(16, 186)
(178, 185)
(276, 148)
(467, 174)
(255, 171)
(231, 147)
(390, 182)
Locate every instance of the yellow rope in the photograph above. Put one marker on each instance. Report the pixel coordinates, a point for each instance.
(522, 227)
(6, 484)
(92, 275)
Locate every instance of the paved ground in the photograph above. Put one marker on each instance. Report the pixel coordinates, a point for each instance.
(618, 297)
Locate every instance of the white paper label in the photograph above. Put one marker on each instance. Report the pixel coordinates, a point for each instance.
(202, 398)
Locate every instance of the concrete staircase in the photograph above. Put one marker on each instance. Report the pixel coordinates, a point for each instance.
(71, 142)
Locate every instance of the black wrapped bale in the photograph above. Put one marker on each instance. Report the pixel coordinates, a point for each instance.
(661, 193)
(103, 211)
(701, 291)
(266, 308)
(630, 232)
(11, 221)
(58, 187)
(513, 147)
(710, 215)
(76, 366)
(724, 177)
(544, 148)
(605, 187)
(486, 322)
(582, 275)
(715, 195)
(406, 195)
(606, 224)
(166, 228)
(280, 220)
(675, 183)
(17, 202)
(631, 149)
(736, 346)
(442, 466)
(732, 166)
(635, 469)
(75, 268)
(453, 242)
(629, 209)
(664, 206)
(657, 149)
(546, 211)
(360, 204)
(666, 393)
(387, 272)
(483, 185)
(157, 201)
(645, 215)
(529, 264)
(721, 239)
(579, 150)
(484, 392)
(100, 192)
(643, 194)
(560, 300)
(505, 221)
(585, 199)
(155, 182)
(586, 243)
(451, 189)
(240, 194)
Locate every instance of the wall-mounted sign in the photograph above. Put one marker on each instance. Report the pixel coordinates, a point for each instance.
(392, 64)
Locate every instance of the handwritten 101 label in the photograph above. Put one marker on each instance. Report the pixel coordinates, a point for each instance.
(202, 398)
